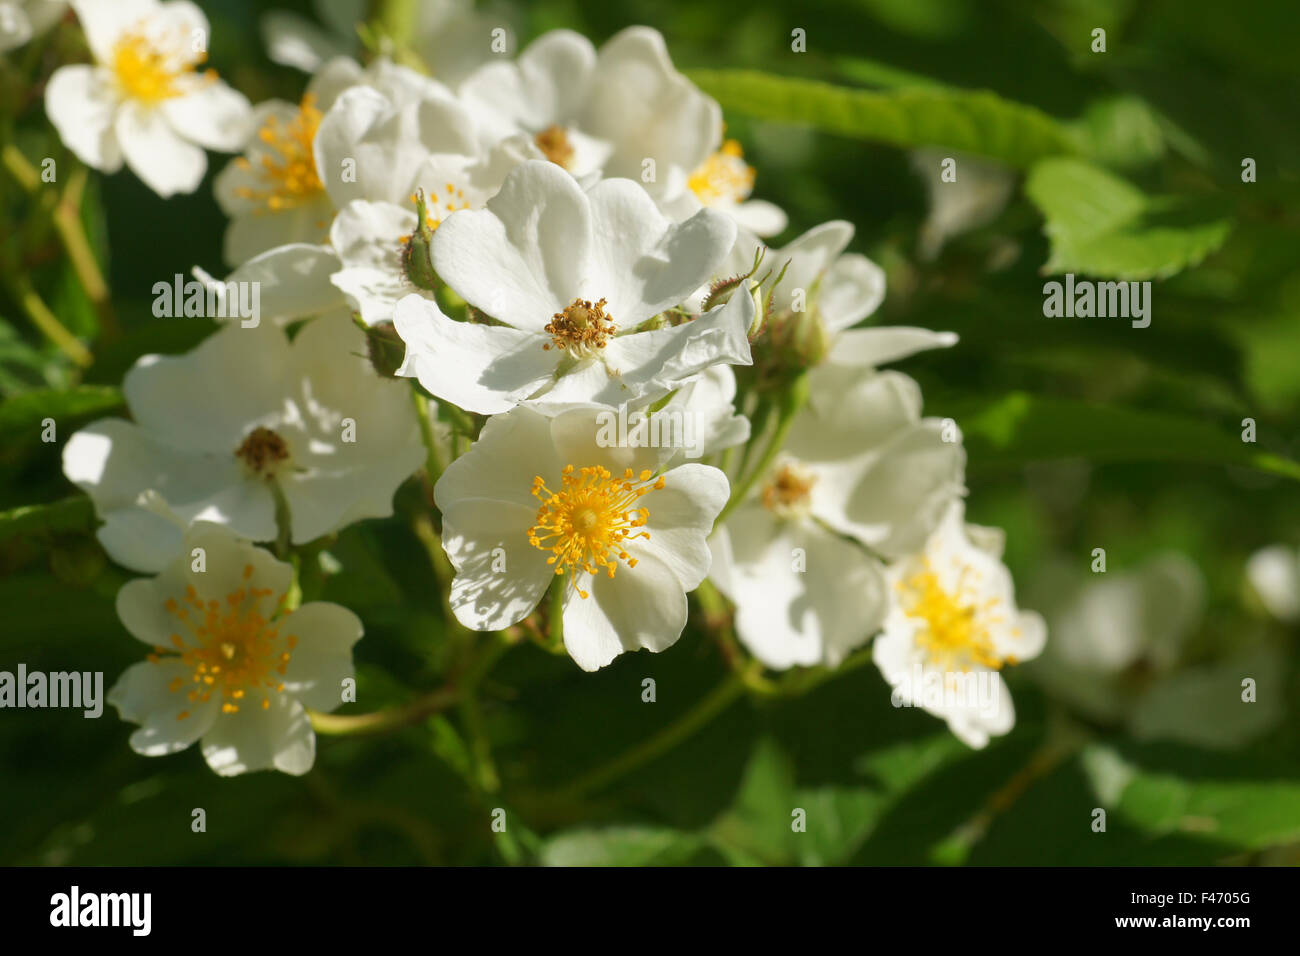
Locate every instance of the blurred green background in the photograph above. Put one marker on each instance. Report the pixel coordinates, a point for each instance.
(1082, 434)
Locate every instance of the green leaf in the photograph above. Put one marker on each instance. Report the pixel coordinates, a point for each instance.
(621, 846)
(968, 121)
(1245, 812)
(1020, 428)
(1122, 131)
(1100, 224)
(69, 516)
(22, 415)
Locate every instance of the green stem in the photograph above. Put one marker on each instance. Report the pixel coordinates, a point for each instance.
(383, 721)
(65, 213)
(432, 460)
(793, 400)
(709, 707)
(48, 323)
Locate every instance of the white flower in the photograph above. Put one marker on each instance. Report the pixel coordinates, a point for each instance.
(1274, 573)
(838, 289)
(142, 99)
(372, 239)
(274, 194)
(952, 626)
(375, 135)
(572, 275)
(723, 182)
(624, 110)
(218, 429)
(20, 20)
(230, 667)
(537, 497)
(859, 462)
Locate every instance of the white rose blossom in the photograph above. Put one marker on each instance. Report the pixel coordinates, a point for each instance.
(859, 463)
(571, 275)
(143, 101)
(213, 427)
(612, 110)
(952, 626)
(230, 666)
(538, 500)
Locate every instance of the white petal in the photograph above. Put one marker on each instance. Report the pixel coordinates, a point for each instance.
(760, 217)
(140, 538)
(851, 290)
(291, 282)
(165, 163)
(322, 658)
(641, 261)
(500, 576)
(510, 451)
(211, 114)
(681, 515)
(103, 23)
(880, 346)
(295, 41)
(81, 103)
(142, 695)
(481, 368)
(639, 607)
(280, 737)
(810, 257)
(525, 257)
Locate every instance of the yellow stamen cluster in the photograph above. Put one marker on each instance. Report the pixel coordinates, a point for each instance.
(581, 328)
(723, 177)
(287, 170)
(789, 490)
(148, 63)
(231, 648)
(956, 633)
(263, 452)
(586, 524)
(555, 146)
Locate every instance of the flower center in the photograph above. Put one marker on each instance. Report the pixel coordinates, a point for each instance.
(288, 170)
(723, 177)
(581, 329)
(147, 64)
(263, 452)
(231, 649)
(555, 146)
(789, 492)
(585, 524)
(956, 627)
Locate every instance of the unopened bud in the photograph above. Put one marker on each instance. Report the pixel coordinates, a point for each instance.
(386, 348)
(416, 259)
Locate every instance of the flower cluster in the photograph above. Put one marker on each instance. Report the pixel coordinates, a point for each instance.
(540, 280)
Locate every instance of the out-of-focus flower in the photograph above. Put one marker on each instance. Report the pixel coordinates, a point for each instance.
(975, 198)
(230, 666)
(571, 275)
(859, 462)
(538, 500)
(450, 37)
(952, 626)
(144, 100)
(623, 110)
(1119, 654)
(219, 431)
(724, 182)
(1274, 574)
(20, 20)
